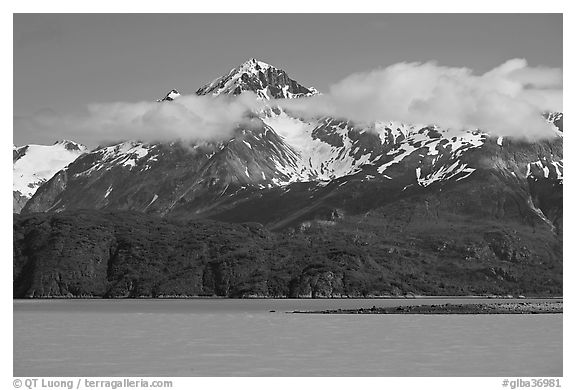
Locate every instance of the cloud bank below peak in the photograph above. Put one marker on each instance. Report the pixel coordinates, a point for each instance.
(506, 101)
(189, 118)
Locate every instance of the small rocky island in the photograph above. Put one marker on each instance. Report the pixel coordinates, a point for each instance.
(451, 308)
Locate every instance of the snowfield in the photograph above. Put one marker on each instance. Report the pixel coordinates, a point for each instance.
(40, 162)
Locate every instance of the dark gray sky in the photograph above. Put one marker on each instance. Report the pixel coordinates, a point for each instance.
(64, 61)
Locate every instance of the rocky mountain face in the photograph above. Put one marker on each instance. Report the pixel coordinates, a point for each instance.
(415, 201)
(33, 165)
(266, 81)
(173, 94)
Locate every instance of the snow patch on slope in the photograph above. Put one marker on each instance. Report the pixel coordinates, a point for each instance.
(543, 168)
(38, 163)
(126, 154)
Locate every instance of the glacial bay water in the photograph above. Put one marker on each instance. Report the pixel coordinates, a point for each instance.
(256, 337)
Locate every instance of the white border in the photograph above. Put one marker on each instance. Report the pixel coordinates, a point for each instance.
(303, 6)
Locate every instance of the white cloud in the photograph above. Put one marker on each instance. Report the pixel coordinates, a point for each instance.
(507, 100)
(189, 118)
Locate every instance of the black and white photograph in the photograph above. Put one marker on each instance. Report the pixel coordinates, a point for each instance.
(375, 195)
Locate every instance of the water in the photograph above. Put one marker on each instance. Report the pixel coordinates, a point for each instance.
(223, 337)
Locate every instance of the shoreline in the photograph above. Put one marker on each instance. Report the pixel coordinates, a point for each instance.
(451, 308)
(385, 297)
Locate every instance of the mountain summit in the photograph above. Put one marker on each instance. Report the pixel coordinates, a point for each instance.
(265, 80)
(173, 94)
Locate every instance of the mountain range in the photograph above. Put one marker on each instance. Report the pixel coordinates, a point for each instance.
(416, 201)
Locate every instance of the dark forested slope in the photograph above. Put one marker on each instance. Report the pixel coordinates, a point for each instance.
(388, 251)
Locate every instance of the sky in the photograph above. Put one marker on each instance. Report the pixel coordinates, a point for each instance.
(65, 62)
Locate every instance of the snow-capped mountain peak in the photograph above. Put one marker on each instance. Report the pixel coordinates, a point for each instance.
(253, 65)
(70, 145)
(173, 94)
(265, 80)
